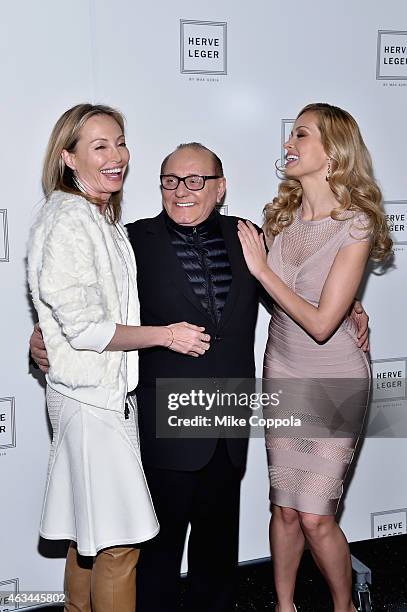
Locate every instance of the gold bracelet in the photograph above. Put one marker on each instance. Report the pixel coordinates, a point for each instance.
(172, 336)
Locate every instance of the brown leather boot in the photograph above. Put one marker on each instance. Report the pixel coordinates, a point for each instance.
(78, 571)
(113, 586)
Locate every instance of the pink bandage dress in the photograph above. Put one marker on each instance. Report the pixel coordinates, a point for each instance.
(324, 385)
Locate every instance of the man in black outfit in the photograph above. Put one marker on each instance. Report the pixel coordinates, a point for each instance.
(190, 267)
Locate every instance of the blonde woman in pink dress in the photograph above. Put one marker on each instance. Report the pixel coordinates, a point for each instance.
(321, 229)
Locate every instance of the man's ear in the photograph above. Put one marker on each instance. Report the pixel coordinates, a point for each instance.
(69, 159)
(221, 190)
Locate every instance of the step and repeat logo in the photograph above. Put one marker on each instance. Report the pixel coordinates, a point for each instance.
(389, 379)
(396, 217)
(391, 55)
(388, 523)
(387, 417)
(4, 251)
(8, 587)
(286, 127)
(203, 47)
(7, 423)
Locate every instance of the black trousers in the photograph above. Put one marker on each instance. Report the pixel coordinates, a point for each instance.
(208, 499)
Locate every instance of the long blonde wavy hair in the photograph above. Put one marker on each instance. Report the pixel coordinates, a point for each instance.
(351, 180)
(56, 175)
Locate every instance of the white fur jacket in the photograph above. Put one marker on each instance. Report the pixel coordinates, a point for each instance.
(72, 280)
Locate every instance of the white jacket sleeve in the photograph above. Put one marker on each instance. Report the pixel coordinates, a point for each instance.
(68, 282)
(95, 337)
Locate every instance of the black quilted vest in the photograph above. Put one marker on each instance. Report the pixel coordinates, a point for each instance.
(202, 253)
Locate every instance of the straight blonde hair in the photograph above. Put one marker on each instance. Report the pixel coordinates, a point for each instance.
(56, 175)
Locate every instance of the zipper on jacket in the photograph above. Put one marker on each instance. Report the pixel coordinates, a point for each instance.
(126, 409)
(210, 289)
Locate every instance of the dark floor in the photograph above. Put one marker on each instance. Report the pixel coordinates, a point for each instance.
(386, 557)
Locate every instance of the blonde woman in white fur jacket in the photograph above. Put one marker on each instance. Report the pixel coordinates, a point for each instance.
(83, 282)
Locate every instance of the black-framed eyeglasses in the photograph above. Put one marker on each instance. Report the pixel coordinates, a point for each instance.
(193, 182)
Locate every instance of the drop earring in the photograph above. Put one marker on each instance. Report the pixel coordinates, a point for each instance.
(328, 172)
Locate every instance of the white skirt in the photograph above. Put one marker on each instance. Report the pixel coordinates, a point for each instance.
(96, 492)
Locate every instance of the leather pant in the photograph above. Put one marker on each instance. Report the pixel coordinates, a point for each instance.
(105, 583)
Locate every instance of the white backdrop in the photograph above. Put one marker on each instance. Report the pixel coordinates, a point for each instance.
(277, 57)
